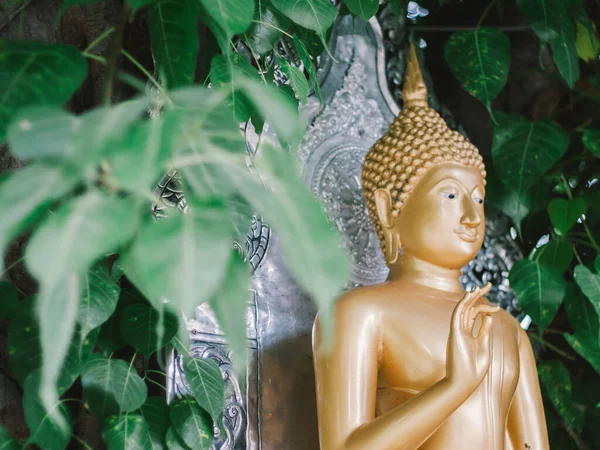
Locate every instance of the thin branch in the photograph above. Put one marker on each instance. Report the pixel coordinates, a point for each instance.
(552, 347)
(116, 50)
(15, 14)
(93, 57)
(426, 29)
(99, 39)
(486, 12)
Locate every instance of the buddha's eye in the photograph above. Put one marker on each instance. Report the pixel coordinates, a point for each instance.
(450, 195)
(479, 200)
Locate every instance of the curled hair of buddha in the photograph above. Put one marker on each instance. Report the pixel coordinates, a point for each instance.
(417, 140)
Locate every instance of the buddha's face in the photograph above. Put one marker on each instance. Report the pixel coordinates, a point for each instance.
(442, 221)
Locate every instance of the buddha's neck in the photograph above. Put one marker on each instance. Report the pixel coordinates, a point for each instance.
(415, 270)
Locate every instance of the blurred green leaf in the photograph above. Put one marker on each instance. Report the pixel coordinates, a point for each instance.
(589, 283)
(174, 442)
(365, 9)
(63, 247)
(24, 341)
(540, 290)
(98, 299)
(523, 151)
(8, 442)
(555, 253)
(316, 15)
(480, 60)
(41, 132)
(557, 383)
(545, 16)
(231, 16)
(197, 246)
(304, 56)
(297, 80)
(174, 38)
(222, 73)
(311, 246)
(110, 338)
(28, 68)
(206, 382)
(565, 213)
(45, 430)
(145, 330)
(515, 205)
(156, 413)
(266, 29)
(9, 300)
(110, 386)
(591, 141)
(137, 4)
(229, 304)
(126, 432)
(26, 194)
(587, 44)
(192, 423)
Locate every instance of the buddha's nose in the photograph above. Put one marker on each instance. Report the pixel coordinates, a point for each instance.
(471, 217)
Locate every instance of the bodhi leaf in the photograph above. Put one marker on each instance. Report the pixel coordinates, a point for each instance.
(45, 431)
(126, 432)
(27, 68)
(557, 383)
(110, 338)
(68, 243)
(110, 386)
(523, 151)
(9, 300)
(24, 341)
(558, 254)
(222, 73)
(316, 15)
(480, 60)
(587, 347)
(145, 330)
(7, 442)
(266, 30)
(207, 385)
(98, 299)
(26, 194)
(591, 141)
(197, 246)
(589, 283)
(174, 442)
(365, 9)
(587, 44)
(231, 16)
(514, 205)
(565, 213)
(41, 132)
(564, 51)
(540, 290)
(229, 304)
(192, 423)
(297, 80)
(309, 66)
(156, 413)
(581, 313)
(544, 16)
(174, 38)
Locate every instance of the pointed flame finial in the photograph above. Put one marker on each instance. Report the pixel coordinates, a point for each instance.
(414, 91)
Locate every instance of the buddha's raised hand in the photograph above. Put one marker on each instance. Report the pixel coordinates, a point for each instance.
(468, 356)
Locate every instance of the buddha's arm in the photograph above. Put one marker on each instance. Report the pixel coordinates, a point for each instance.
(526, 420)
(346, 380)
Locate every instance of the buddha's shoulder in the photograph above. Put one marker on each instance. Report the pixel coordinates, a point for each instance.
(375, 298)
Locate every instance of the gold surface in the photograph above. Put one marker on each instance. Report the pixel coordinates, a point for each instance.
(416, 362)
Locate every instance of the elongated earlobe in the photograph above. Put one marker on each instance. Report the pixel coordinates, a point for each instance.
(383, 203)
(392, 247)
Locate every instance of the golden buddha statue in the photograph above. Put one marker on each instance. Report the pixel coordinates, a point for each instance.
(415, 362)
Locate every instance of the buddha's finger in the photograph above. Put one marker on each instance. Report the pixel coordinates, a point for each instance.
(481, 309)
(466, 308)
(457, 314)
(483, 337)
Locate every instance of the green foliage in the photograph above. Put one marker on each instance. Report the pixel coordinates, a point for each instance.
(539, 288)
(480, 60)
(557, 384)
(7, 441)
(9, 300)
(207, 385)
(591, 141)
(558, 254)
(156, 414)
(192, 424)
(365, 9)
(146, 329)
(565, 213)
(297, 80)
(27, 68)
(316, 15)
(126, 432)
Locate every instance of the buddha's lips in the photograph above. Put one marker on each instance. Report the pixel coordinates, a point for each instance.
(466, 236)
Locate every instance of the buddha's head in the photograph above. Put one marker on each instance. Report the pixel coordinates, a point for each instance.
(424, 184)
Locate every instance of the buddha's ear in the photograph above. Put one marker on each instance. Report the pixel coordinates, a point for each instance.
(383, 203)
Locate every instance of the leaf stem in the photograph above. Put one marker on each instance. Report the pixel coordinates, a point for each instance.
(552, 347)
(486, 12)
(100, 59)
(577, 255)
(18, 261)
(142, 69)
(99, 39)
(116, 50)
(82, 442)
(156, 382)
(160, 372)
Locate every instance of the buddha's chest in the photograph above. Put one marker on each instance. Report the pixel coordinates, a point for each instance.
(413, 350)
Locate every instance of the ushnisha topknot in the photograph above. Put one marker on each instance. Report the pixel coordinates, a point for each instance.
(417, 140)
